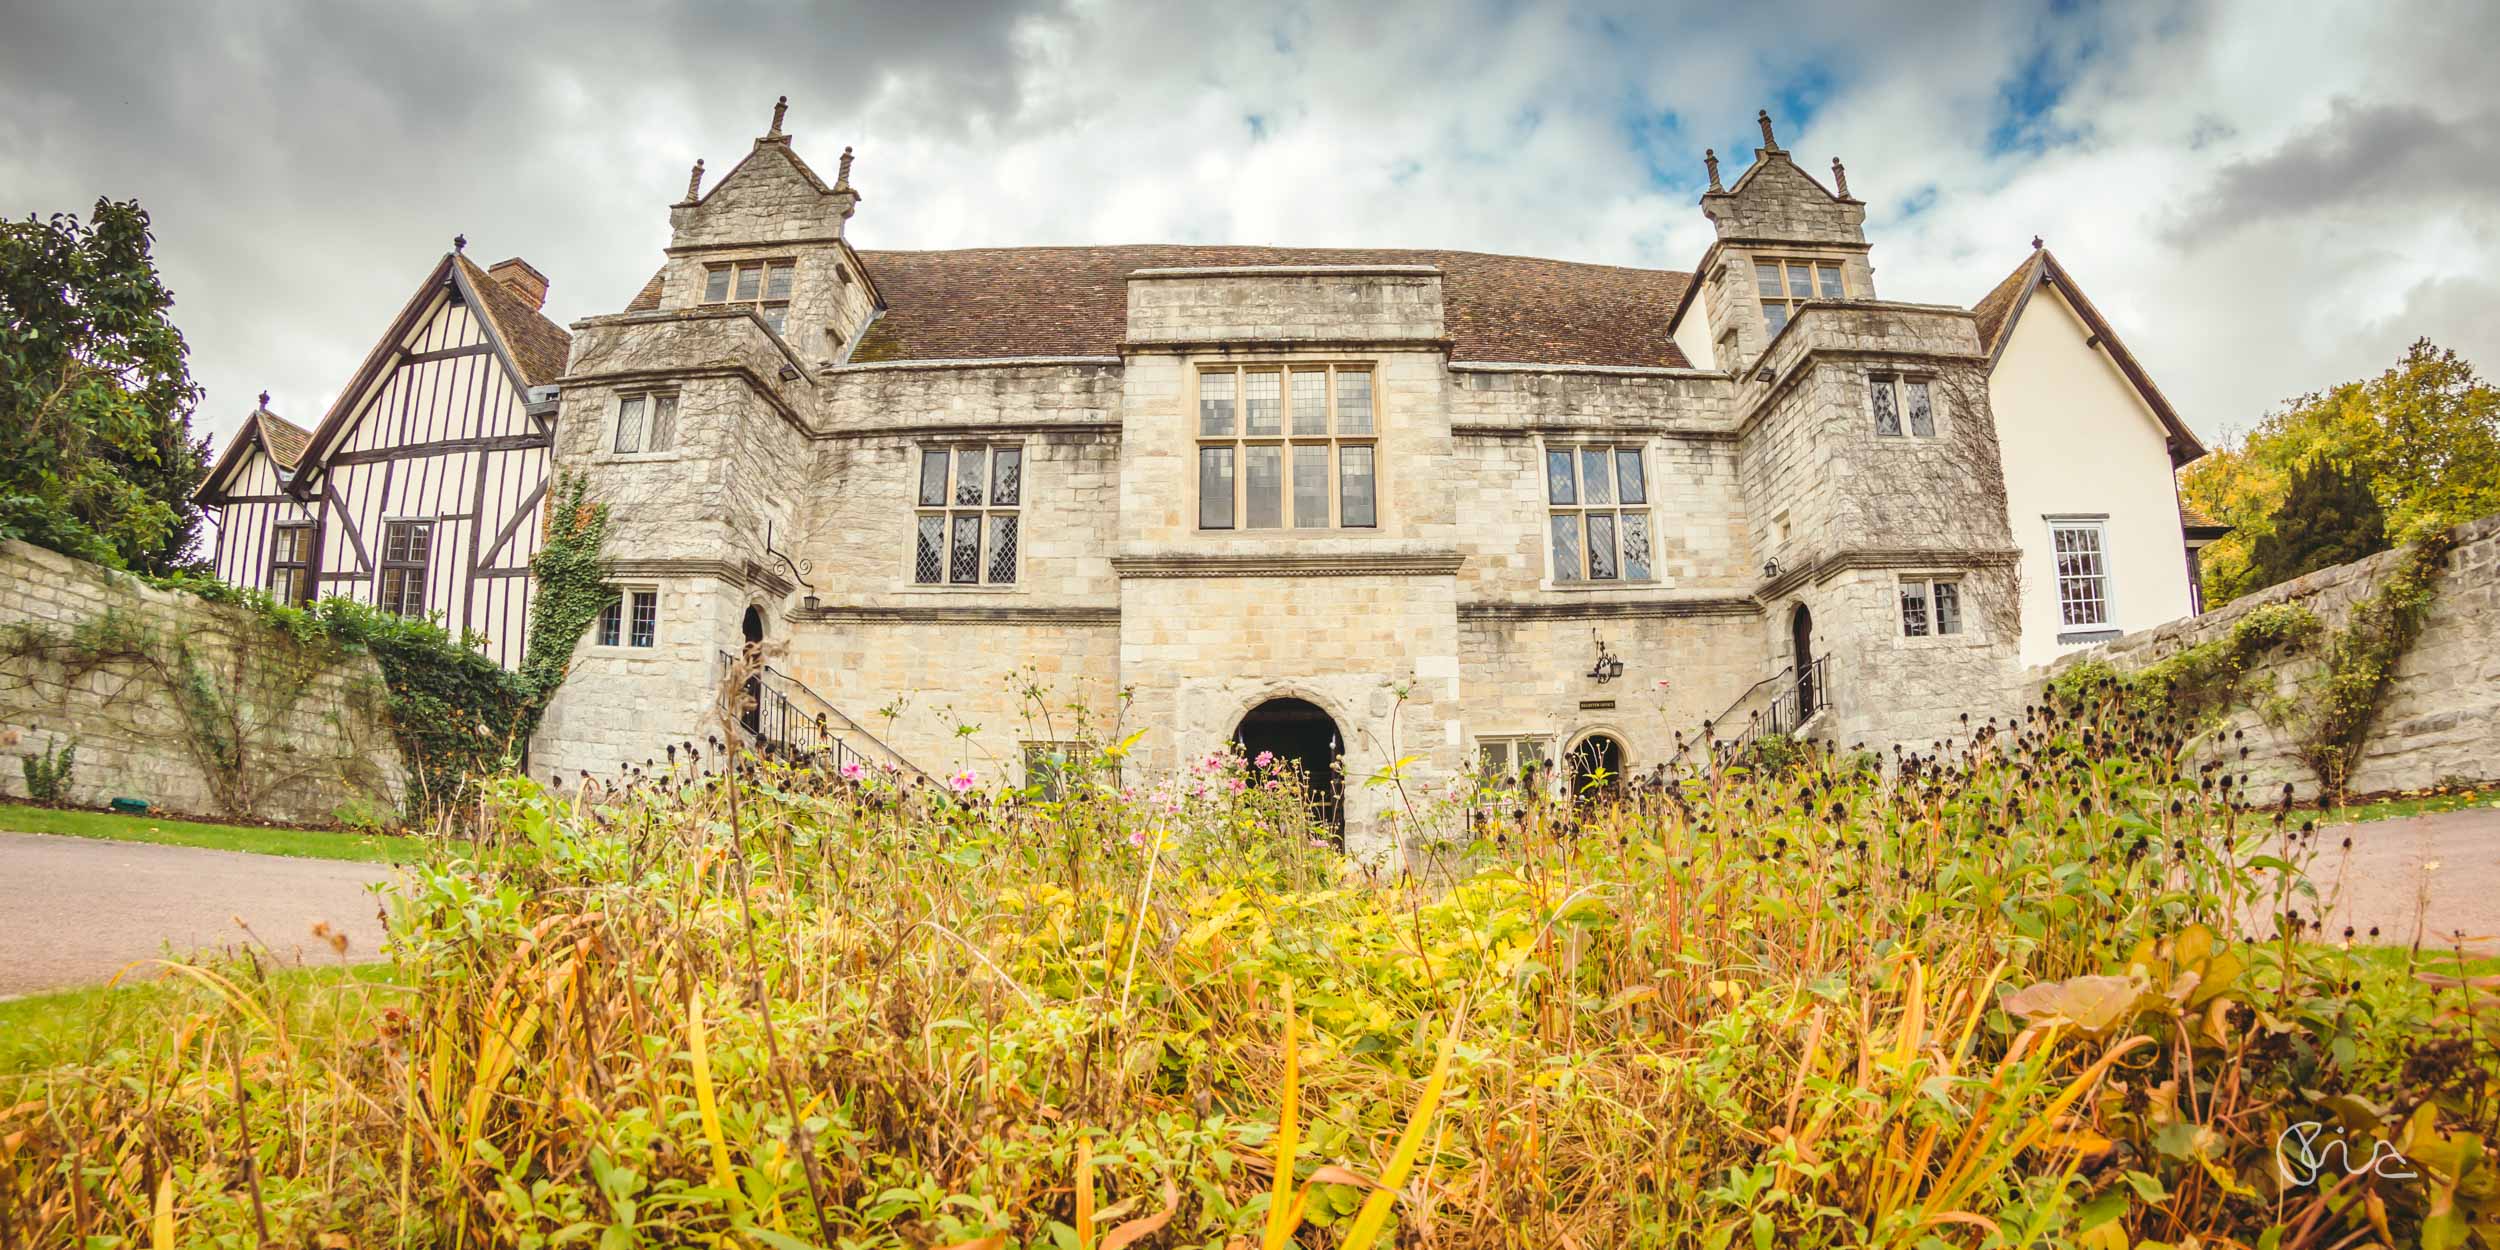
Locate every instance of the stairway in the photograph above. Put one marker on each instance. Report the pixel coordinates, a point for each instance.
(792, 720)
(1781, 703)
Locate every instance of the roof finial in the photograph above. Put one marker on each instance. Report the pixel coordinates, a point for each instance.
(780, 107)
(460, 243)
(2035, 243)
(1768, 143)
(694, 182)
(264, 401)
(1840, 177)
(1710, 160)
(842, 176)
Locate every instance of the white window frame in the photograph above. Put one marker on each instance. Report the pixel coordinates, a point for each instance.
(775, 312)
(615, 629)
(2098, 528)
(1337, 444)
(1498, 756)
(954, 508)
(1920, 588)
(642, 408)
(1901, 390)
(1580, 508)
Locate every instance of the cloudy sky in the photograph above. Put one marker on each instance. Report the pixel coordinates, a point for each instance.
(2265, 198)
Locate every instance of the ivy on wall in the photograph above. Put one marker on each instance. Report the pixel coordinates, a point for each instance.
(569, 585)
(2327, 715)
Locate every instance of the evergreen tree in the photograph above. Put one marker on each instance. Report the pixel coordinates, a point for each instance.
(97, 458)
(2329, 516)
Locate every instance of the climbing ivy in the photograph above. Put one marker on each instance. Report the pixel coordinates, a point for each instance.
(2329, 715)
(2361, 660)
(570, 585)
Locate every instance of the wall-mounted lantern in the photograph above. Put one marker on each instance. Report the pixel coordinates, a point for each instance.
(1608, 665)
(1771, 569)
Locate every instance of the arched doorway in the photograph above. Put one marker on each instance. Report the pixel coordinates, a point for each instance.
(1801, 658)
(1596, 765)
(1299, 735)
(752, 628)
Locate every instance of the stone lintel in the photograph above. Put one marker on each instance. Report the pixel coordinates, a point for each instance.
(1825, 569)
(1440, 562)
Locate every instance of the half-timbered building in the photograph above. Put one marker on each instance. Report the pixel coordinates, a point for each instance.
(420, 491)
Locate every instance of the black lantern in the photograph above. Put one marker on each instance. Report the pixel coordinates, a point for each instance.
(1771, 569)
(1608, 665)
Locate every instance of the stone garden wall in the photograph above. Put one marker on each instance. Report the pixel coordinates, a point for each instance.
(2441, 717)
(272, 729)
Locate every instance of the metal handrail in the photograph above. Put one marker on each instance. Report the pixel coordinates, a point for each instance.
(1704, 738)
(803, 725)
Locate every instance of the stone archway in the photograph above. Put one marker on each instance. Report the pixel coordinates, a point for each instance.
(751, 628)
(1595, 764)
(1300, 734)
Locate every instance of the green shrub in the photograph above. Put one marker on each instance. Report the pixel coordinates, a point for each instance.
(48, 774)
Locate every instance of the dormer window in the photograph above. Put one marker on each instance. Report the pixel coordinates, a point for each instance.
(1785, 284)
(762, 284)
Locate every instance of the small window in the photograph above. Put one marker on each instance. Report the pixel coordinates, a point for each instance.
(290, 563)
(612, 623)
(646, 422)
(2082, 573)
(631, 619)
(1053, 766)
(1785, 284)
(967, 527)
(1302, 455)
(1597, 515)
(646, 619)
(407, 547)
(1902, 405)
(1506, 760)
(765, 284)
(1930, 606)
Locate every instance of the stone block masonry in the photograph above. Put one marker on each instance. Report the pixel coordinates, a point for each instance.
(279, 732)
(2441, 717)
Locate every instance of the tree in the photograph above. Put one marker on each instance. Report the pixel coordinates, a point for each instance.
(2329, 517)
(97, 458)
(2424, 435)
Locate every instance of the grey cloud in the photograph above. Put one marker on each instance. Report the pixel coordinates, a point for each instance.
(2362, 152)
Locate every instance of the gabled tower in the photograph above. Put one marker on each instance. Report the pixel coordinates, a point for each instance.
(769, 236)
(1784, 239)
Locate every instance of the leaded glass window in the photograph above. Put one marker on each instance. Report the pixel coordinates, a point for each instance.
(1902, 406)
(646, 421)
(967, 529)
(407, 551)
(290, 562)
(1302, 455)
(1598, 518)
(2082, 573)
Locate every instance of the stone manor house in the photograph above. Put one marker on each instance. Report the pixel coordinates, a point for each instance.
(1346, 505)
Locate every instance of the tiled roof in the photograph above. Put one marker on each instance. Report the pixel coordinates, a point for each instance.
(538, 346)
(987, 303)
(648, 298)
(284, 439)
(1995, 310)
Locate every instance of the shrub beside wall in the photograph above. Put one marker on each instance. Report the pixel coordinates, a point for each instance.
(216, 709)
(2382, 674)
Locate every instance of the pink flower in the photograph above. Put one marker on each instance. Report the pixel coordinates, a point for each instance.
(1137, 838)
(1236, 783)
(962, 782)
(1265, 758)
(853, 770)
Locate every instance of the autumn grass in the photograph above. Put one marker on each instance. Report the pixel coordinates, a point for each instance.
(360, 847)
(84, 1027)
(1982, 1001)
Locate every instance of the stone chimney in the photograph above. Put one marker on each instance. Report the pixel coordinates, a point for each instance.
(522, 279)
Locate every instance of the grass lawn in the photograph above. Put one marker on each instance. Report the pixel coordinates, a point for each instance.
(2413, 805)
(299, 843)
(72, 1026)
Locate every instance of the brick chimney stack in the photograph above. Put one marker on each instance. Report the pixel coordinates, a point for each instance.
(522, 279)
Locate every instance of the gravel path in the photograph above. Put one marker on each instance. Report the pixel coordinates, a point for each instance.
(2386, 877)
(73, 911)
